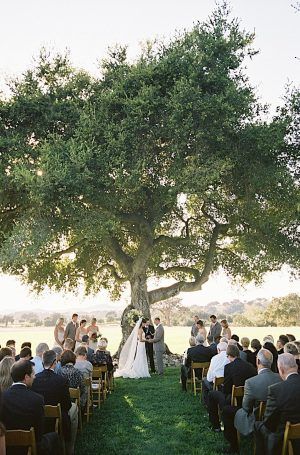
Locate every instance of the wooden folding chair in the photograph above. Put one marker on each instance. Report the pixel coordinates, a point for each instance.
(237, 392)
(75, 396)
(21, 438)
(89, 403)
(217, 383)
(204, 366)
(291, 433)
(261, 410)
(54, 412)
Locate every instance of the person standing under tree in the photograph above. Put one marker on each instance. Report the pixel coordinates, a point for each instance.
(149, 334)
(194, 329)
(71, 328)
(215, 327)
(159, 345)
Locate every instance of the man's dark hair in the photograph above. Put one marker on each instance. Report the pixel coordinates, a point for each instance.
(85, 338)
(283, 339)
(81, 350)
(26, 344)
(49, 357)
(67, 357)
(235, 337)
(289, 335)
(10, 343)
(232, 351)
(217, 339)
(25, 352)
(255, 344)
(20, 369)
(74, 315)
(157, 318)
(5, 352)
(213, 316)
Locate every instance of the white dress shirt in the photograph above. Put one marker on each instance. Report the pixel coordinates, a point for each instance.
(38, 364)
(217, 364)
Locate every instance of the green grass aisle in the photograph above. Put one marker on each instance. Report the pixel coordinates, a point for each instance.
(150, 416)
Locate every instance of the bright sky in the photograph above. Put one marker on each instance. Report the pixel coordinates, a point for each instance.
(87, 28)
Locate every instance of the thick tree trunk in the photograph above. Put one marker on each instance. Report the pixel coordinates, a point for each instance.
(139, 302)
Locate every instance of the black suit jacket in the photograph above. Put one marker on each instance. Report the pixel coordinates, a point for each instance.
(198, 353)
(283, 404)
(149, 331)
(236, 373)
(54, 389)
(22, 409)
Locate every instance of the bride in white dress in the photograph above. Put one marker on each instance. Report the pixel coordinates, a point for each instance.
(133, 359)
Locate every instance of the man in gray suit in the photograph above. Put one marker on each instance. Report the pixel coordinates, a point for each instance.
(215, 327)
(71, 328)
(256, 389)
(159, 345)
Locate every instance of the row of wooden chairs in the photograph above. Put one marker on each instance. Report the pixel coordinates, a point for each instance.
(97, 387)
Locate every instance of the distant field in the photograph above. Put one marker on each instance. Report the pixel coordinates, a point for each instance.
(175, 337)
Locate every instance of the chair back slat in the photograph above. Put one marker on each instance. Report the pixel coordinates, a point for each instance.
(291, 432)
(74, 393)
(218, 382)
(21, 438)
(237, 392)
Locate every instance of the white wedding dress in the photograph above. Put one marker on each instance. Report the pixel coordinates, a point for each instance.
(133, 359)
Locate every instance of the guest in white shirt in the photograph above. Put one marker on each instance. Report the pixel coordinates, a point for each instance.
(38, 359)
(216, 370)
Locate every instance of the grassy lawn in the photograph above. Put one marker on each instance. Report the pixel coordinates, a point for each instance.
(150, 416)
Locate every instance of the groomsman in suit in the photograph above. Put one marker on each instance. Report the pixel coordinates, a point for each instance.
(159, 345)
(149, 334)
(215, 327)
(71, 328)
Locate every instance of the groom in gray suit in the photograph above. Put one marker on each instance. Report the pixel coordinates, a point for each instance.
(158, 345)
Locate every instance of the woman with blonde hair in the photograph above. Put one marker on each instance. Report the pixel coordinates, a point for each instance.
(59, 332)
(5, 376)
(226, 332)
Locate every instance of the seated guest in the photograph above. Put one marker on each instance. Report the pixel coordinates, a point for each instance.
(38, 359)
(256, 346)
(5, 376)
(268, 344)
(55, 389)
(69, 344)
(12, 345)
(212, 345)
(282, 340)
(25, 354)
(58, 351)
(282, 406)
(256, 389)
(26, 344)
(297, 343)
(85, 343)
(235, 373)
(245, 342)
(216, 370)
(82, 364)
(22, 409)
(243, 355)
(291, 348)
(5, 352)
(197, 353)
(103, 357)
(237, 339)
(289, 335)
(74, 376)
(106, 341)
(192, 342)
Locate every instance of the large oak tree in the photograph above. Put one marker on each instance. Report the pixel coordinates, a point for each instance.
(161, 167)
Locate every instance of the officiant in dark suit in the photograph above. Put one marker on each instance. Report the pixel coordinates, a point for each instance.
(149, 334)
